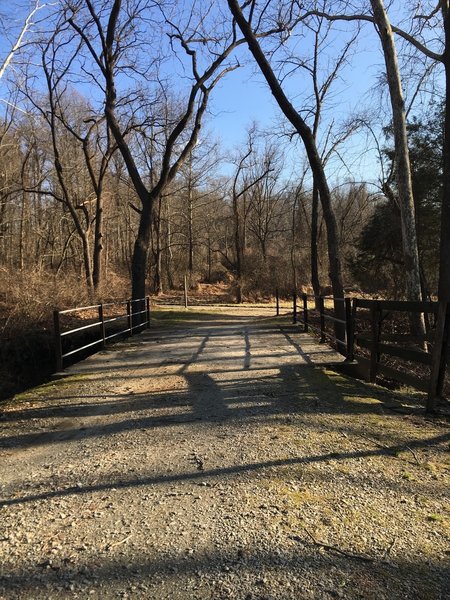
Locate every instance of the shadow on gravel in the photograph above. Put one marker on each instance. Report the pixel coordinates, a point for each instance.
(392, 450)
(320, 573)
(262, 393)
(221, 394)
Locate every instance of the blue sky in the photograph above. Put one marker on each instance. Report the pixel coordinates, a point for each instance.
(242, 97)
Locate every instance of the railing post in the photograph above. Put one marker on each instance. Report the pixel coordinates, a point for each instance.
(374, 349)
(130, 317)
(148, 312)
(101, 319)
(294, 307)
(349, 327)
(277, 300)
(58, 341)
(305, 312)
(439, 356)
(322, 319)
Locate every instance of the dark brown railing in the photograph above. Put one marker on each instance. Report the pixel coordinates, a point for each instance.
(376, 329)
(102, 327)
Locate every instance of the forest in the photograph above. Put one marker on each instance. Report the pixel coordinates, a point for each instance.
(114, 183)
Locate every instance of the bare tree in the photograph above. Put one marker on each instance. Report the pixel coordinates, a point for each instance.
(386, 32)
(317, 168)
(323, 71)
(103, 32)
(18, 43)
(250, 172)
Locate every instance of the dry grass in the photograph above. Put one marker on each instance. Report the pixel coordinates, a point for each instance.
(27, 301)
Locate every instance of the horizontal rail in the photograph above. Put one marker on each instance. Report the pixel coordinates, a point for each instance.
(83, 328)
(408, 354)
(334, 319)
(375, 316)
(82, 308)
(116, 334)
(113, 319)
(82, 348)
(400, 376)
(101, 322)
(399, 305)
(118, 303)
(325, 297)
(407, 337)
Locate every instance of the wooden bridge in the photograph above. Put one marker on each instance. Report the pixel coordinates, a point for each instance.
(221, 457)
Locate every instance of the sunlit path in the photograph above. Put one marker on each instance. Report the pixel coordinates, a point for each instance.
(222, 458)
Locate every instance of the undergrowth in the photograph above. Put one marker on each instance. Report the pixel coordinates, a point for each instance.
(27, 302)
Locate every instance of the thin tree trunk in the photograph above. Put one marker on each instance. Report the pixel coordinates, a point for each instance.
(169, 251)
(190, 221)
(87, 265)
(313, 157)
(98, 242)
(314, 235)
(444, 258)
(403, 168)
(238, 249)
(293, 244)
(157, 279)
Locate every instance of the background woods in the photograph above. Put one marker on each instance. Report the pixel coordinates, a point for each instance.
(117, 174)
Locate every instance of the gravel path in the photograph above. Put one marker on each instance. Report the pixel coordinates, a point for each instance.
(222, 460)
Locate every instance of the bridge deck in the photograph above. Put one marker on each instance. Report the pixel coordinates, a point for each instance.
(220, 459)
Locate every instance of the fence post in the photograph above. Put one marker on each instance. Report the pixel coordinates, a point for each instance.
(439, 356)
(305, 312)
(277, 300)
(294, 307)
(130, 317)
(349, 327)
(148, 312)
(102, 324)
(322, 319)
(374, 349)
(58, 341)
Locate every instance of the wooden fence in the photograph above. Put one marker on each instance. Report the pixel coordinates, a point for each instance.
(102, 323)
(378, 331)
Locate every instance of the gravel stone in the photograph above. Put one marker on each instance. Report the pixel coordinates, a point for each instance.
(221, 460)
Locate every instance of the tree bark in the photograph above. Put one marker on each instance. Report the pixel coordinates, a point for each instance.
(97, 271)
(444, 258)
(140, 253)
(314, 235)
(403, 168)
(313, 157)
(238, 247)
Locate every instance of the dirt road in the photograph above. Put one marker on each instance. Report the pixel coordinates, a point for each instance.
(221, 459)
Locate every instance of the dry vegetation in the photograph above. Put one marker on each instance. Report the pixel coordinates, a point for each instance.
(27, 301)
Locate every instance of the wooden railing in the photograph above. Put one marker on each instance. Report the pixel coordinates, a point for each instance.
(366, 339)
(106, 322)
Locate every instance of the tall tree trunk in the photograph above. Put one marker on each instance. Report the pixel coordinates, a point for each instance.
(98, 242)
(140, 253)
(23, 220)
(157, 226)
(403, 168)
(169, 251)
(444, 258)
(314, 249)
(238, 247)
(293, 245)
(190, 209)
(209, 259)
(313, 157)
(87, 265)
